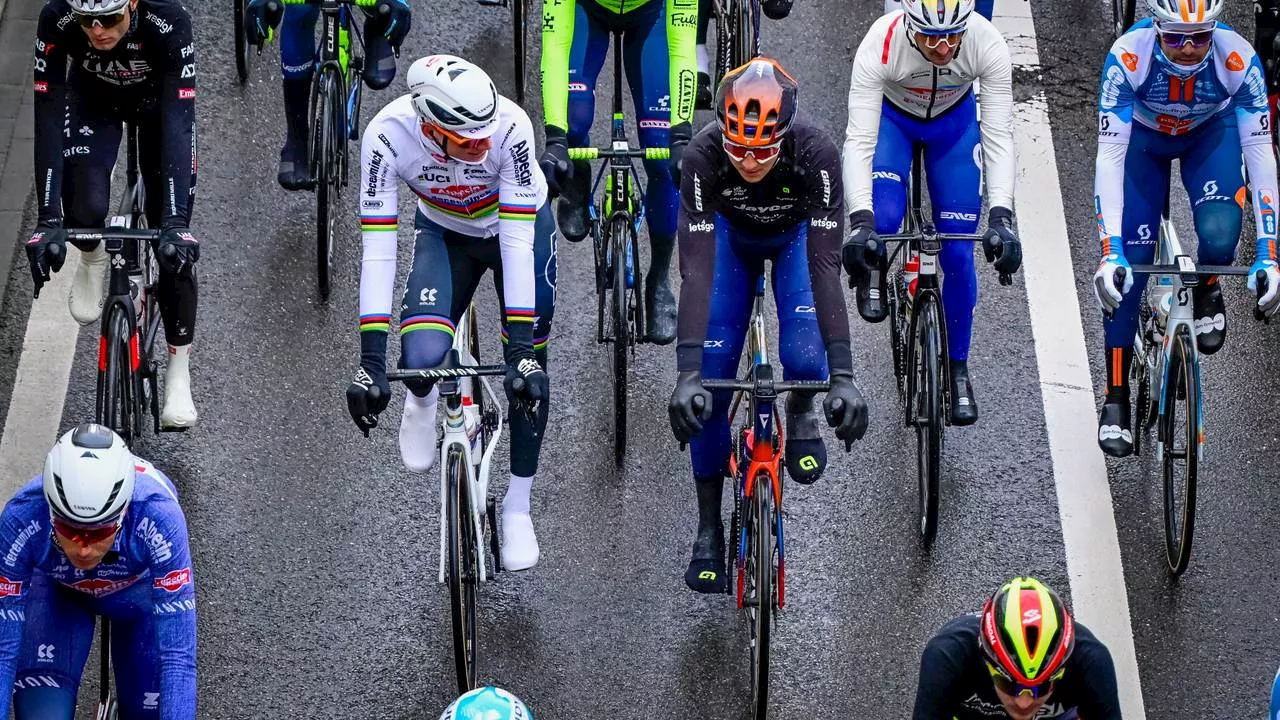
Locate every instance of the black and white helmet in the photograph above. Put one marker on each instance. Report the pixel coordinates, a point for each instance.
(88, 476)
(97, 7)
(455, 95)
(1185, 14)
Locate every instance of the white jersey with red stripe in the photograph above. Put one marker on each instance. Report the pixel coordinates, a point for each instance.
(499, 196)
(889, 68)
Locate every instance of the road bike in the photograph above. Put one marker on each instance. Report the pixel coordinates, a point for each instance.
(519, 48)
(1166, 374)
(335, 119)
(615, 226)
(472, 425)
(243, 51)
(755, 465)
(108, 706)
(918, 337)
(128, 371)
(737, 34)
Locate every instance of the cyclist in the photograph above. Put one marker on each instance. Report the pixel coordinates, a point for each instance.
(773, 9)
(487, 703)
(98, 64)
(385, 28)
(762, 184)
(100, 532)
(658, 48)
(465, 152)
(1177, 85)
(912, 86)
(1021, 657)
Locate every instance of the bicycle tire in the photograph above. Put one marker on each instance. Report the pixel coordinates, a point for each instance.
(242, 43)
(928, 416)
(119, 407)
(328, 175)
(748, 19)
(108, 706)
(519, 46)
(1122, 16)
(621, 337)
(760, 575)
(724, 42)
(1181, 381)
(461, 570)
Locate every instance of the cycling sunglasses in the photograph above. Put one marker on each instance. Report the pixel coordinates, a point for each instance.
(464, 143)
(1198, 39)
(106, 22)
(761, 154)
(1008, 686)
(932, 41)
(85, 535)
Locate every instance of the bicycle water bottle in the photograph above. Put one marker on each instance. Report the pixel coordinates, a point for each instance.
(910, 273)
(1161, 303)
(471, 423)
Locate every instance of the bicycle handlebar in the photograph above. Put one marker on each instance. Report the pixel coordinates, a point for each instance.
(95, 234)
(920, 236)
(778, 387)
(1190, 274)
(443, 371)
(359, 3)
(593, 153)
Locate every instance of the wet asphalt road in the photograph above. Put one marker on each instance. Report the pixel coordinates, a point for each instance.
(316, 551)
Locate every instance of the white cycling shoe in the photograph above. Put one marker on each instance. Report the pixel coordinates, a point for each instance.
(179, 409)
(88, 289)
(519, 544)
(418, 431)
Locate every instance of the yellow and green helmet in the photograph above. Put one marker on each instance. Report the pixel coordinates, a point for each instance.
(1026, 632)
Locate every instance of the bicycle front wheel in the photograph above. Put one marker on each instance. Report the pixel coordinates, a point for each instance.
(242, 43)
(518, 24)
(928, 415)
(462, 568)
(758, 599)
(118, 405)
(1179, 448)
(746, 34)
(329, 147)
(1122, 16)
(622, 337)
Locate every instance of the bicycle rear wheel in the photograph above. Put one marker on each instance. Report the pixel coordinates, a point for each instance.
(242, 43)
(1179, 448)
(747, 31)
(518, 23)
(622, 338)
(108, 706)
(118, 404)
(462, 568)
(758, 600)
(1122, 16)
(329, 146)
(927, 414)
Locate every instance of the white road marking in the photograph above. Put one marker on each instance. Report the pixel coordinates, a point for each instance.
(1098, 594)
(40, 383)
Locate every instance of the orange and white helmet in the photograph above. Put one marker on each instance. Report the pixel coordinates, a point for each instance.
(938, 17)
(1185, 14)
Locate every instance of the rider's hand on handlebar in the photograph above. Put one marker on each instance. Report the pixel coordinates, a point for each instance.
(776, 9)
(398, 18)
(367, 396)
(846, 409)
(178, 251)
(555, 160)
(526, 382)
(46, 251)
(1264, 280)
(690, 406)
(863, 252)
(1001, 244)
(1109, 284)
(261, 18)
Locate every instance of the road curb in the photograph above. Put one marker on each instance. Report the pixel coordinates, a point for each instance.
(17, 134)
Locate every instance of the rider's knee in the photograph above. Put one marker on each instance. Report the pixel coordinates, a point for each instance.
(1218, 227)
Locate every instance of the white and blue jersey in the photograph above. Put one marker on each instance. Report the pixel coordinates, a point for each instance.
(144, 585)
(1142, 90)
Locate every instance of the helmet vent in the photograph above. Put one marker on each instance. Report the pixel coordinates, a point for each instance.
(87, 454)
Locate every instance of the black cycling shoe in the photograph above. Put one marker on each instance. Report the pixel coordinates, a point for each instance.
(702, 101)
(964, 408)
(572, 215)
(706, 573)
(293, 173)
(806, 452)
(870, 300)
(1211, 317)
(1115, 431)
(660, 312)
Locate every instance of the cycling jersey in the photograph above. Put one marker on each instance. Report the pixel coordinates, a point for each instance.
(1140, 85)
(500, 195)
(680, 24)
(144, 585)
(151, 70)
(888, 68)
(803, 189)
(955, 683)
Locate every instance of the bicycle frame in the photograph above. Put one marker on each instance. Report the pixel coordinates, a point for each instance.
(458, 430)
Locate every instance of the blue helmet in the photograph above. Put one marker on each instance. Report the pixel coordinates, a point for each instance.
(487, 703)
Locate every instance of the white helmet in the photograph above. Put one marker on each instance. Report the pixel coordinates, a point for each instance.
(88, 476)
(487, 703)
(455, 95)
(1185, 14)
(937, 17)
(97, 7)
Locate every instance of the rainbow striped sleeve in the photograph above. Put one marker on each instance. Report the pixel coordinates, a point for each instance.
(378, 223)
(375, 323)
(524, 213)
